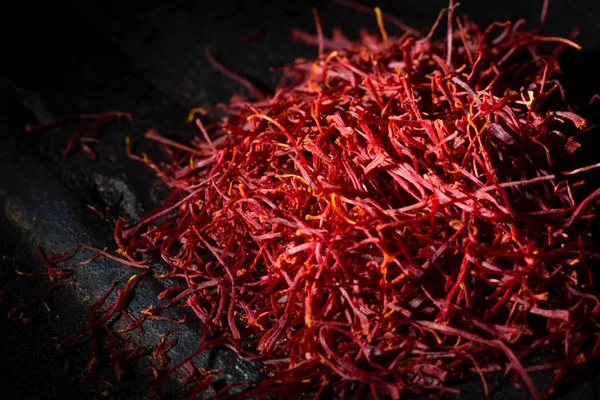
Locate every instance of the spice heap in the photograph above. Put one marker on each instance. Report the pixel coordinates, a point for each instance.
(394, 216)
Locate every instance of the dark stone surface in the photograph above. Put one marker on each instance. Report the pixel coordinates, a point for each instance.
(147, 58)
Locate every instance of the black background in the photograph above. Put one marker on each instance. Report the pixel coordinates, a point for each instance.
(147, 58)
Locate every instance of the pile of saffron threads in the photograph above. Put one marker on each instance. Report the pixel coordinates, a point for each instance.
(395, 216)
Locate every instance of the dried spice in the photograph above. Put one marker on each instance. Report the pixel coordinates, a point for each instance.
(102, 120)
(396, 214)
